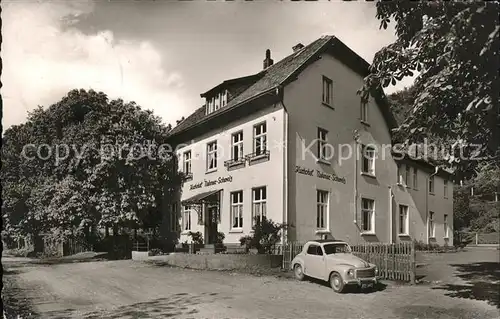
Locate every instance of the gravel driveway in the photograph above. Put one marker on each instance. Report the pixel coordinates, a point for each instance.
(127, 289)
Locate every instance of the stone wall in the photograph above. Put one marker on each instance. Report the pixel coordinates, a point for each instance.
(140, 255)
(220, 261)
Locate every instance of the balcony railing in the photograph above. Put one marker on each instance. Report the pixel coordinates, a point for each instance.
(262, 155)
(258, 155)
(234, 162)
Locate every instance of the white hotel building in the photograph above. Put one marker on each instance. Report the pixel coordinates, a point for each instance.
(257, 147)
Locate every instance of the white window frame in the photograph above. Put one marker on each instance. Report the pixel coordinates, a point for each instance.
(415, 178)
(364, 112)
(210, 105)
(236, 199)
(322, 205)
(212, 155)
(371, 212)
(327, 95)
(431, 183)
(186, 218)
(237, 143)
(370, 170)
(431, 227)
(400, 176)
(259, 203)
(224, 98)
(404, 220)
(217, 100)
(445, 188)
(186, 162)
(445, 226)
(407, 175)
(322, 136)
(260, 138)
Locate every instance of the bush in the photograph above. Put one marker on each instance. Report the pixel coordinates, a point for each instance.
(421, 246)
(266, 234)
(461, 239)
(23, 252)
(246, 241)
(196, 238)
(155, 252)
(117, 247)
(220, 238)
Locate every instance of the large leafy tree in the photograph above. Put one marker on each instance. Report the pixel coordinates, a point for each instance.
(474, 202)
(462, 215)
(103, 164)
(487, 180)
(453, 48)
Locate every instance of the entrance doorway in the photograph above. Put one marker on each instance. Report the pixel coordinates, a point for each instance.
(211, 224)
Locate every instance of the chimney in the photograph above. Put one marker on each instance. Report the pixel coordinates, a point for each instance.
(268, 61)
(297, 47)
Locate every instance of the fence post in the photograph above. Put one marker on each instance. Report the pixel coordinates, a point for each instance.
(413, 265)
(386, 261)
(477, 235)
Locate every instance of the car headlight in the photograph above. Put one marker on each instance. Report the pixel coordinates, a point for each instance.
(350, 273)
(376, 271)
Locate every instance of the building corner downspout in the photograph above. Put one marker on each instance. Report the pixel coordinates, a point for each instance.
(427, 203)
(391, 216)
(356, 141)
(279, 91)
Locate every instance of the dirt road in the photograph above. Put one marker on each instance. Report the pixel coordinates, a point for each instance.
(126, 289)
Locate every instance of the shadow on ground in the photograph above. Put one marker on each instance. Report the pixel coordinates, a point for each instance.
(14, 304)
(380, 286)
(180, 304)
(426, 311)
(483, 282)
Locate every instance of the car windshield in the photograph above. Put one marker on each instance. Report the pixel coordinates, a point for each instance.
(337, 249)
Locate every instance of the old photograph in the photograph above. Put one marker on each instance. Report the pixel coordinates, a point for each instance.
(250, 159)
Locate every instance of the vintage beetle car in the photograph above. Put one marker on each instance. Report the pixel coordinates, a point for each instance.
(333, 261)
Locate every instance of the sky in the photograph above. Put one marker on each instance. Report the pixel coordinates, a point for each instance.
(161, 54)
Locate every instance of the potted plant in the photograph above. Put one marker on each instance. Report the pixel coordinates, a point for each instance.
(219, 242)
(196, 241)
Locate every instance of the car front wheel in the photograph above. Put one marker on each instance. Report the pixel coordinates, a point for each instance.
(298, 271)
(336, 282)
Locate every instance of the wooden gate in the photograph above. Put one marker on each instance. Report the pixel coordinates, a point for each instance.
(290, 250)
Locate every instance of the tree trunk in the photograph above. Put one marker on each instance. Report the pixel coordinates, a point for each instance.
(37, 243)
(86, 233)
(106, 231)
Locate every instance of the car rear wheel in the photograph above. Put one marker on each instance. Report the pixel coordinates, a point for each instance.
(336, 282)
(298, 271)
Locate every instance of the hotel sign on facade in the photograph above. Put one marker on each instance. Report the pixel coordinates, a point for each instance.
(319, 174)
(207, 182)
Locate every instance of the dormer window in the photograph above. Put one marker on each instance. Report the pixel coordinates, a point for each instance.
(210, 105)
(216, 101)
(223, 98)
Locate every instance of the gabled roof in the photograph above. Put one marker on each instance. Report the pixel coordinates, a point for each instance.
(284, 71)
